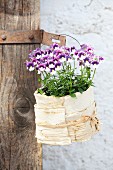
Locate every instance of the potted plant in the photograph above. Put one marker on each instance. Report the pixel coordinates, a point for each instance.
(65, 109)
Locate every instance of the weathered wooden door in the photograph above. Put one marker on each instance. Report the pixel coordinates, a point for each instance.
(18, 146)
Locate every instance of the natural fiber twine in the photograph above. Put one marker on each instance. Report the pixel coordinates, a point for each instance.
(61, 125)
(93, 122)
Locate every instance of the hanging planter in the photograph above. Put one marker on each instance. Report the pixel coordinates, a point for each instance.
(60, 121)
(65, 109)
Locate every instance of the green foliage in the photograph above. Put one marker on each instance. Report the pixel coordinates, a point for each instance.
(66, 82)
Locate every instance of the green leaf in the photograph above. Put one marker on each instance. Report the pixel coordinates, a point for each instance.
(40, 91)
(72, 94)
(80, 90)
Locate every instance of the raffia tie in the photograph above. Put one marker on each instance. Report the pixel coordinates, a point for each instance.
(94, 122)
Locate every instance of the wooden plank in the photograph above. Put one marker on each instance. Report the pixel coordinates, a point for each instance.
(20, 37)
(18, 146)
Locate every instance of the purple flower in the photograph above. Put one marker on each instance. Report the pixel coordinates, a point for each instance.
(55, 60)
(51, 64)
(81, 53)
(68, 58)
(86, 48)
(45, 58)
(41, 60)
(55, 45)
(87, 62)
(76, 52)
(57, 52)
(48, 51)
(95, 64)
(67, 49)
(62, 57)
(101, 58)
(30, 55)
(38, 54)
(73, 48)
(52, 71)
(30, 65)
(58, 66)
(34, 60)
(37, 49)
(86, 59)
(40, 68)
(51, 59)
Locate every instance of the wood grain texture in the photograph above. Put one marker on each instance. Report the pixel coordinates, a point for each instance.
(18, 146)
(20, 37)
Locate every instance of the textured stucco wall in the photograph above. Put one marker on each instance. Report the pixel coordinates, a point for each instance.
(90, 21)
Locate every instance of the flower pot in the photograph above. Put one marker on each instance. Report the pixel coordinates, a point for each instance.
(63, 120)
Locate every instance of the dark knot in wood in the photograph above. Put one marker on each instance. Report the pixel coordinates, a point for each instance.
(23, 112)
(3, 37)
(22, 105)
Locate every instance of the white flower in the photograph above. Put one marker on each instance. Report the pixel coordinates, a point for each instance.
(47, 69)
(35, 63)
(69, 60)
(38, 56)
(51, 65)
(53, 72)
(82, 57)
(75, 57)
(73, 78)
(58, 68)
(31, 68)
(62, 59)
(72, 52)
(95, 66)
(87, 64)
(57, 48)
(38, 72)
(55, 61)
(51, 54)
(43, 55)
(42, 68)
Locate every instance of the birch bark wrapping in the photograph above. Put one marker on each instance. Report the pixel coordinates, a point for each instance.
(63, 120)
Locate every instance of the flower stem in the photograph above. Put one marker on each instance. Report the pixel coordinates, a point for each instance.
(93, 74)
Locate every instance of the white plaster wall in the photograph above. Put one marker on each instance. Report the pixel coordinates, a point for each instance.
(90, 21)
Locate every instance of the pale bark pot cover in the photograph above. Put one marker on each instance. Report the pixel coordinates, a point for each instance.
(63, 120)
